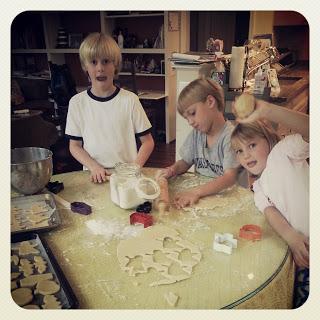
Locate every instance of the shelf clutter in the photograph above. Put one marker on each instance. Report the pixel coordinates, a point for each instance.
(190, 59)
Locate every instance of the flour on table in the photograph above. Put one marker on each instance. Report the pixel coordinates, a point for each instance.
(152, 240)
(224, 204)
(113, 229)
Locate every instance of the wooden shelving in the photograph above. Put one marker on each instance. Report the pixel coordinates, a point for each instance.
(42, 28)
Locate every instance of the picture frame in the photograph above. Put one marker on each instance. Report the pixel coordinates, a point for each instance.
(75, 40)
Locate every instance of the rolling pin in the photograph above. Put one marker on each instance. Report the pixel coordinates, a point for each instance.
(162, 203)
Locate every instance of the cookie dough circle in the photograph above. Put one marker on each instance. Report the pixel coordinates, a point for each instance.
(22, 296)
(244, 105)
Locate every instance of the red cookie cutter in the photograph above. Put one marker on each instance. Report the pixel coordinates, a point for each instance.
(250, 232)
(143, 218)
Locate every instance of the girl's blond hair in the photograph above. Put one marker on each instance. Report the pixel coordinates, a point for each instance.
(99, 45)
(198, 91)
(246, 131)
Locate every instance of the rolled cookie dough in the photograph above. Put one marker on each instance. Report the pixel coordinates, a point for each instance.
(244, 105)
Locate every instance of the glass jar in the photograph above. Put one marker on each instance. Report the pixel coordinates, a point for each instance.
(128, 170)
(128, 188)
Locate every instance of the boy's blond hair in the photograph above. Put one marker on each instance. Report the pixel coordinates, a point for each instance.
(198, 91)
(246, 131)
(99, 45)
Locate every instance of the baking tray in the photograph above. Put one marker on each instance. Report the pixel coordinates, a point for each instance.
(34, 213)
(65, 295)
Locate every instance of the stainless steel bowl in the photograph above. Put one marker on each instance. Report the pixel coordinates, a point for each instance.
(31, 169)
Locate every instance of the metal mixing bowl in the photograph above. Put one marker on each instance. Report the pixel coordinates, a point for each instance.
(31, 169)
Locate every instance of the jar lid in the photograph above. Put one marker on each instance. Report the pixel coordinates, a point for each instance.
(147, 188)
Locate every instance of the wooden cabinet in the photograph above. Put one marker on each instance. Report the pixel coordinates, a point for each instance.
(34, 44)
(288, 18)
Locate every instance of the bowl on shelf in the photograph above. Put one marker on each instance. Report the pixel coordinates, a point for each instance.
(31, 169)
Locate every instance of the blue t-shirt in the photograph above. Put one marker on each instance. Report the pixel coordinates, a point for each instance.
(213, 161)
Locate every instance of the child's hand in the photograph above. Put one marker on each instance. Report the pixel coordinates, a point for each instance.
(299, 245)
(167, 172)
(187, 198)
(99, 174)
(257, 114)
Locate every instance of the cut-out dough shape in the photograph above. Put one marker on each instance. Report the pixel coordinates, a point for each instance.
(32, 280)
(46, 287)
(26, 267)
(22, 296)
(26, 248)
(15, 275)
(15, 259)
(14, 285)
(40, 264)
(151, 240)
(51, 302)
(171, 298)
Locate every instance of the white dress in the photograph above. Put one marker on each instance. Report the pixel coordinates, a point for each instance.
(284, 182)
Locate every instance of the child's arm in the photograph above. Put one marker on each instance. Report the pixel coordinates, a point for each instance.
(146, 148)
(176, 169)
(295, 120)
(192, 196)
(298, 243)
(98, 173)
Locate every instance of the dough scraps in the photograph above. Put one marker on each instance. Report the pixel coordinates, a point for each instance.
(51, 302)
(150, 240)
(171, 298)
(46, 287)
(225, 204)
(22, 296)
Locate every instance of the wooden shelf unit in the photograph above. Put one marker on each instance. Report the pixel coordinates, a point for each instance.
(42, 27)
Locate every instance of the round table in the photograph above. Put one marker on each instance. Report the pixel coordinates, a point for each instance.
(258, 274)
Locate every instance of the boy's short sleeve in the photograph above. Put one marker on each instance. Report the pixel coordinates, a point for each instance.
(73, 123)
(140, 120)
(188, 148)
(229, 156)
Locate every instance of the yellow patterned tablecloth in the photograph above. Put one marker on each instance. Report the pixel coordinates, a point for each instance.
(256, 275)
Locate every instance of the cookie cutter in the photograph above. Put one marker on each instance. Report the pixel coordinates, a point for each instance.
(143, 218)
(250, 232)
(80, 207)
(224, 242)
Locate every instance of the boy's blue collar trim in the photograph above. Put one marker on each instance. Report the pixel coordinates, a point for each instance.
(102, 99)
